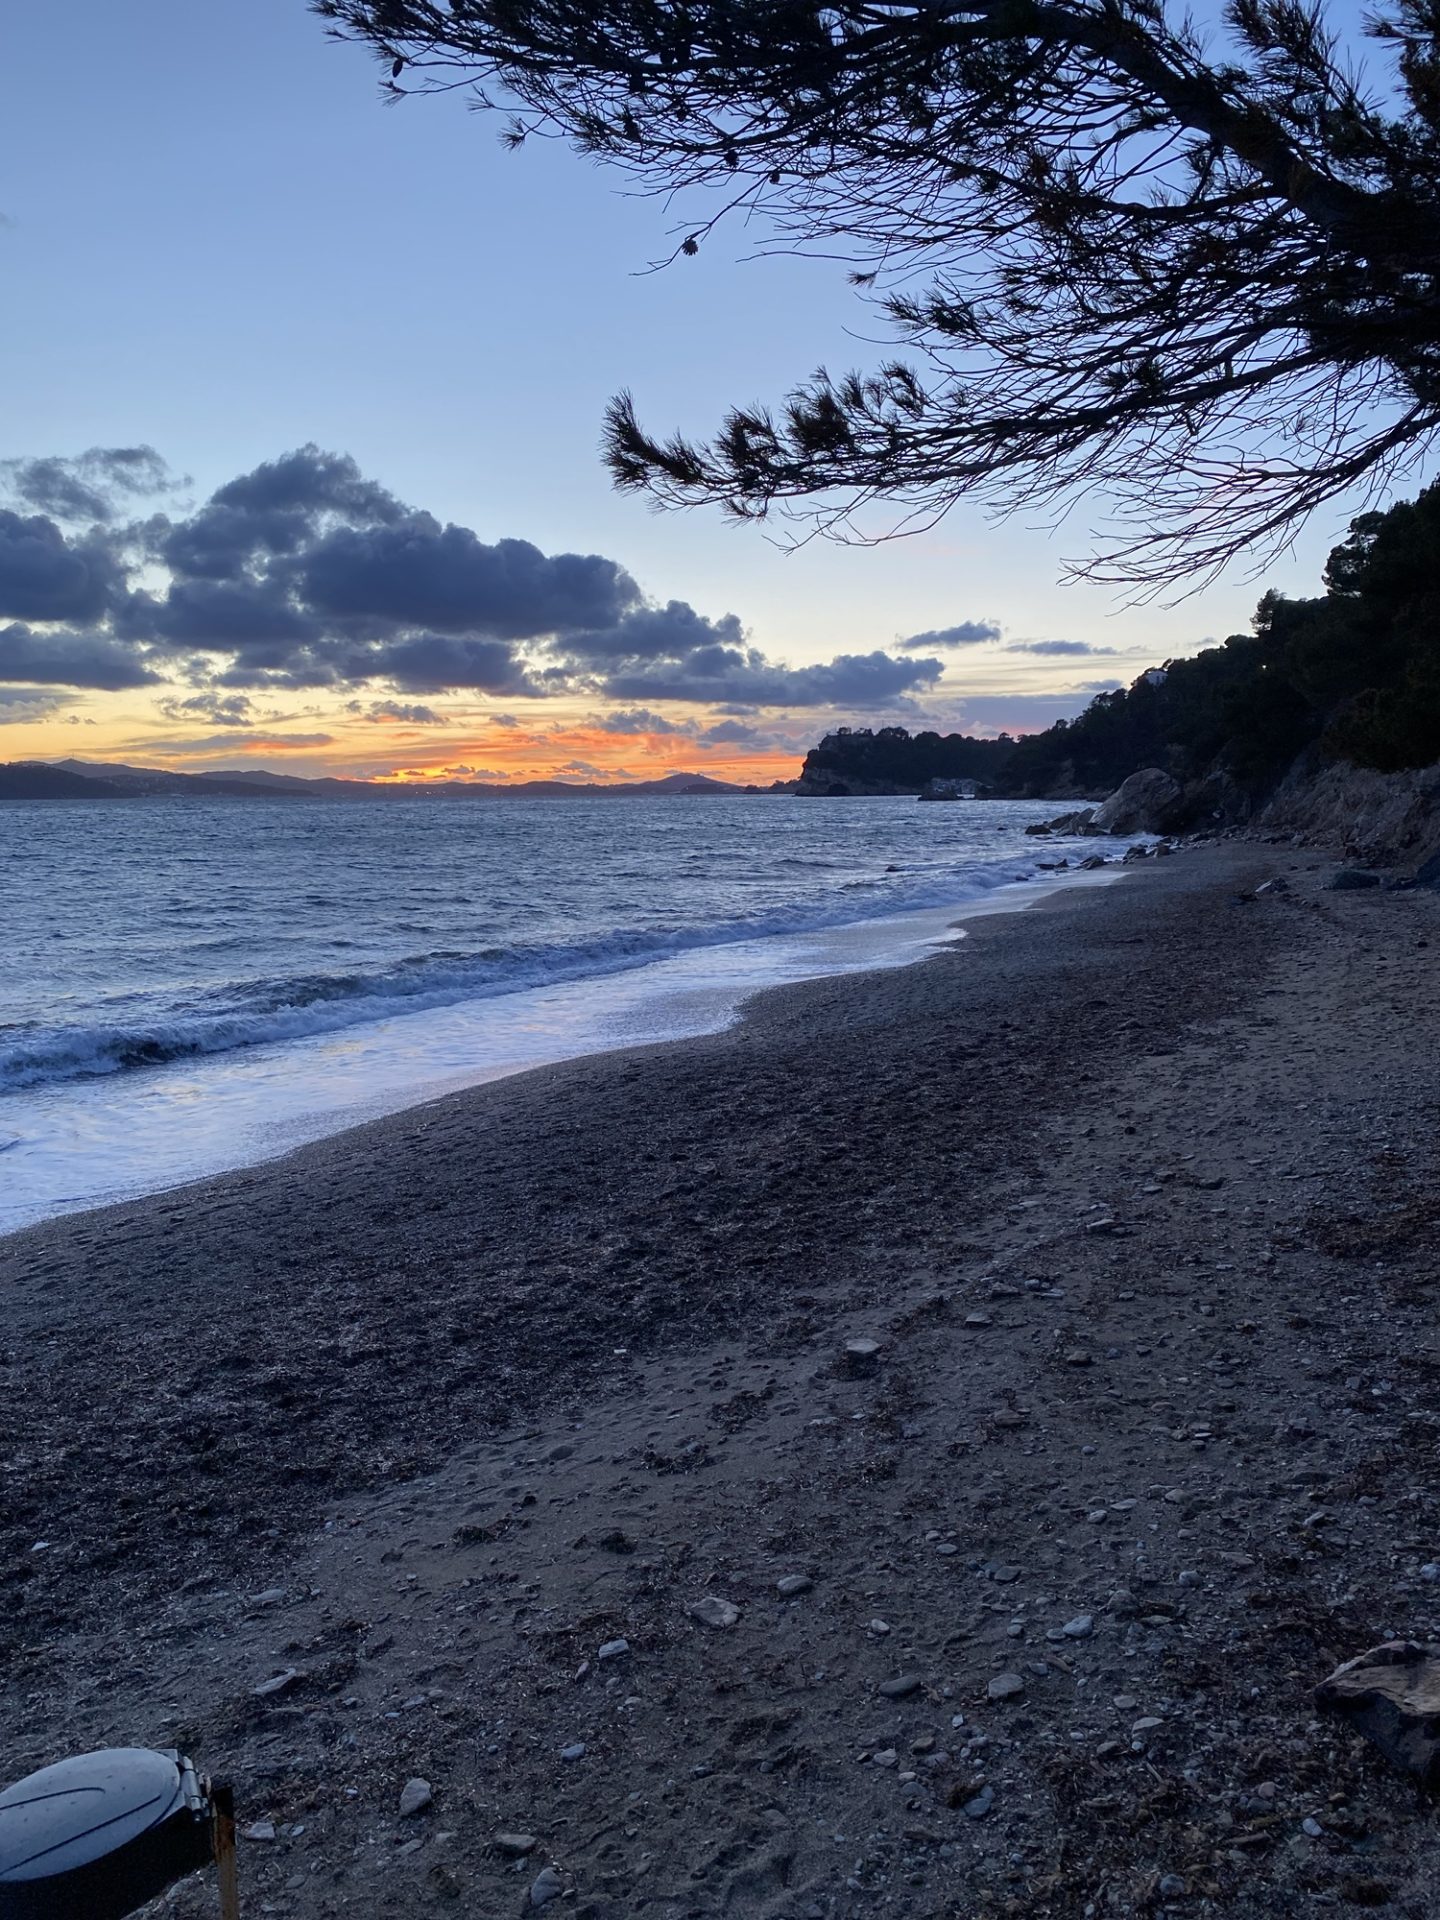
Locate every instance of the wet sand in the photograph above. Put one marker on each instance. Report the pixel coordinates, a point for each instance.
(469, 1393)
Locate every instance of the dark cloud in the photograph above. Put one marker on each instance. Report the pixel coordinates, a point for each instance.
(93, 486)
(398, 710)
(1057, 647)
(734, 733)
(220, 709)
(638, 720)
(303, 574)
(45, 576)
(66, 658)
(708, 674)
(220, 742)
(28, 703)
(969, 633)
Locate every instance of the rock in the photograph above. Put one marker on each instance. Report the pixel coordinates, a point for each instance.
(1392, 1695)
(979, 1804)
(887, 1757)
(1137, 805)
(515, 1845)
(977, 1320)
(271, 1597)
(277, 1683)
(792, 1584)
(1077, 1357)
(1080, 1628)
(1005, 1686)
(545, 1887)
(860, 1357)
(575, 1751)
(1428, 873)
(1138, 852)
(1037, 829)
(1121, 1603)
(901, 1687)
(1267, 887)
(613, 1650)
(259, 1830)
(415, 1797)
(1162, 850)
(1173, 1886)
(1352, 880)
(714, 1612)
(1091, 862)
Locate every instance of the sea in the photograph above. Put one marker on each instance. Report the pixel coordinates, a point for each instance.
(188, 986)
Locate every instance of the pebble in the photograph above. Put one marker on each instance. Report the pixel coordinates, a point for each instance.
(886, 1757)
(901, 1687)
(1173, 1886)
(271, 1597)
(1005, 1686)
(260, 1830)
(277, 1683)
(1313, 1828)
(979, 1804)
(714, 1612)
(545, 1887)
(415, 1796)
(613, 1650)
(1189, 1578)
(576, 1751)
(1005, 1575)
(1430, 1571)
(517, 1845)
(793, 1583)
(879, 1626)
(1077, 1357)
(1080, 1628)
(1147, 1725)
(977, 1320)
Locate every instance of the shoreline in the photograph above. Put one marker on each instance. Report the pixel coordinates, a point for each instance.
(675, 1013)
(1136, 1197)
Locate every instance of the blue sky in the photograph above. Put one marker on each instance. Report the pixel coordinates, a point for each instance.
(219, 241)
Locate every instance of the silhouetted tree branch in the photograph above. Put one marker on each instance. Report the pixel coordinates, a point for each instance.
(1199, 280)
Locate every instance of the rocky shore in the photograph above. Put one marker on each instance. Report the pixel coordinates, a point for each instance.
(914, 1454)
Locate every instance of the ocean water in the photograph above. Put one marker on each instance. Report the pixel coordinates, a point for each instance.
(188, 985)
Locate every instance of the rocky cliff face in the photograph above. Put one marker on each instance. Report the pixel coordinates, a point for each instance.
(1377, 819)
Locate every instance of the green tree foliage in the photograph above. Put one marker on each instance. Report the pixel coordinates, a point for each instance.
(1199, 272)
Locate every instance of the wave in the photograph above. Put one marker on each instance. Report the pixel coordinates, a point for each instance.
(269, 1012)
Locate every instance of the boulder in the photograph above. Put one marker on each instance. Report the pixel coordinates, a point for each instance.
(1428, 874)
(1392, 1695)
(1352, 880)
(1138, 804)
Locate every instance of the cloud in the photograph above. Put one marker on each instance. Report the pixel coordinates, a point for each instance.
(735, 733)
(304, 574)
(591, 773)
(46, 576)
(255, 742)
(503, 720)
(639, 720)
(93, 486)
(389, 711)
(66, 658)
(221, 709)
(987, 714)
(969, 633)
(18, 704)
(1057, 647)
(716, 673)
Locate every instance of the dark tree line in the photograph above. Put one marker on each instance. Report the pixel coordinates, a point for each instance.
(1353, 674)
(1196, 274)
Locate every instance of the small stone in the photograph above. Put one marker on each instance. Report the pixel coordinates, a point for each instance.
(901, 1687)
(793, 1583)
(714, 1612)
(575, 1751)
(1080, 1628)
(979, 1804)
(880, 1627)
(1005, 1575)
(946, 1549)
(277, 1683)
(516, 1845)
(861, 1356)
(1173, 1886)
(613, 1650)
(1147, 1725)
(1430, 1571)
(1313, 1828)
(545, 1887)
(271, 1597)
(1077, 1357)
(977, 1320)
(1126, 1702)
(1005, 1686)
(886, 1757)
(259, 1830)
(1189, 1578)
(1121, 1602)
(415, 1796)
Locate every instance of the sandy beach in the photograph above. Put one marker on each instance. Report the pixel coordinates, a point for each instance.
(448, 1423)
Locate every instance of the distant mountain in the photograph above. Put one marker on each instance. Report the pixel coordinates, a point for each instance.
(101, 779)
(34, 780)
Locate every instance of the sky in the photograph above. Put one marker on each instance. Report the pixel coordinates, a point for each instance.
(299, 464)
